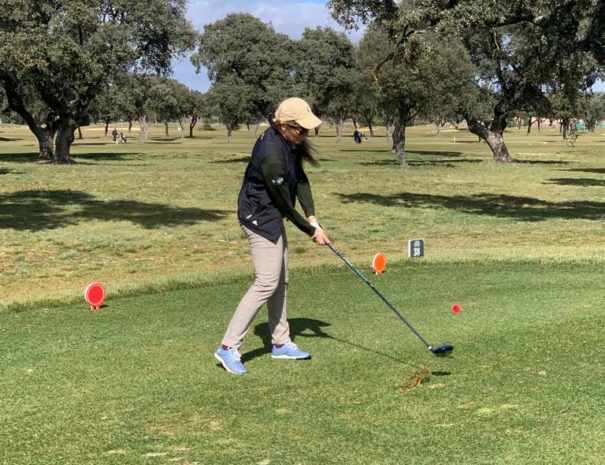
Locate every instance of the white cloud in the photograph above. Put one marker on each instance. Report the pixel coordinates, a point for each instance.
(289, 18)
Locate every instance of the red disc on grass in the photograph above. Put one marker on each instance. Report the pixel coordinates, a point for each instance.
(94, 295)
(456, 308)
(379, 263)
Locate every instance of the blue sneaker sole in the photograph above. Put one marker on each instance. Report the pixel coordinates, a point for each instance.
(289, 357)
(226, 367)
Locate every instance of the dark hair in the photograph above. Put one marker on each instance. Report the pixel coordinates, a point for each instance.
(306, 152)
(305, 148)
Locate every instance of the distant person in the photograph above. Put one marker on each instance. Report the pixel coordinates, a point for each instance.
(114, 134)
(122, 138)
(357, 136)
(274, 179)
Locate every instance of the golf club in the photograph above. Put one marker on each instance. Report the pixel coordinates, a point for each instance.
(440, 351)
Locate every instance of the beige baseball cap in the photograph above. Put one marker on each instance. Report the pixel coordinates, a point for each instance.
(297, 110)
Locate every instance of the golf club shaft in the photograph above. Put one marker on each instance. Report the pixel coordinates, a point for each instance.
(367, 281)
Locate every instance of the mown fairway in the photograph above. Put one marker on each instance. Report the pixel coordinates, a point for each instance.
(161, 213)
(520, 246)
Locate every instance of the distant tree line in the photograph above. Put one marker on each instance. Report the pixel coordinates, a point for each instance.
(416, 61)
(490, 64)
(538, 57)
(61, 61)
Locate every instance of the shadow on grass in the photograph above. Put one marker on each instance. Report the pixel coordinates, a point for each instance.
(365, 150)
(443, 163)
(500, 206)
(589, 170)
(96, 158)
(245, 159)
(20, 157)
(542, 162)
(164, 139)
(33, 157)
(109, 142)
(427, 153)
(9, 139)
(35, 210)
(582, 182)
(305, 327)
(434, 153)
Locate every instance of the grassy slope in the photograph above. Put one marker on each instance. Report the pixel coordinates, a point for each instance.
(125, 211)
(520, 246)
(136, 383)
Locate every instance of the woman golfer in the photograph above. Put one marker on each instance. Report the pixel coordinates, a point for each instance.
(273, 181)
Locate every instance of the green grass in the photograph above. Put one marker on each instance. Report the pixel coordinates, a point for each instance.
(520, 246)
(137, 383)
(123, 212)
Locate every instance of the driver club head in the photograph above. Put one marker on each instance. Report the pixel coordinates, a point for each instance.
(443, 350)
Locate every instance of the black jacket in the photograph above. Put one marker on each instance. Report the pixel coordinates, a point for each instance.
(274, 179)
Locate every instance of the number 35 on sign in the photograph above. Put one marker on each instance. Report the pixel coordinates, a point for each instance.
(416, 248)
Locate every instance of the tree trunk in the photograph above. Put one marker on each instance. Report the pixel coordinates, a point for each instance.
(45, 141)
(495, 141)
(192, 124)
(45, 136)
(144, 127)
(166, 129)
(229, 133)
(388, 126)
(564, 127)
(63, 141)
(339, 129)
(440, 123)
(107, 121)
(492, 136)
(399, 142)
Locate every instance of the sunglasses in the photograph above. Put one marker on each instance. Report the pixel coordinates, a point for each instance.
(298, 128)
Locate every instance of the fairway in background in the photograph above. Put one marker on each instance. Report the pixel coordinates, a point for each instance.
(172, 201)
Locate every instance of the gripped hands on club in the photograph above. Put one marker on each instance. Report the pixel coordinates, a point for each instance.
(320, 237)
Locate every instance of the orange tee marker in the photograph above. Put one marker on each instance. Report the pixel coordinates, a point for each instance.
(94, 295)
(379, 263)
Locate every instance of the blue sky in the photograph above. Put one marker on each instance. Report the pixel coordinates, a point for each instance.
(288, 17)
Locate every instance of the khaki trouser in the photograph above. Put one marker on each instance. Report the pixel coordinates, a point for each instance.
(270, 286)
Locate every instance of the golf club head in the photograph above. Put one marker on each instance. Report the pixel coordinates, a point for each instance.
(443, 350)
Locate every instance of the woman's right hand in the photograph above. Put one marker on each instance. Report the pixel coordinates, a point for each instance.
(320, 237)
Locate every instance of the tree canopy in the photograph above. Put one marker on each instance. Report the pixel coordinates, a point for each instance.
(59, 55)
(503, 40)
(247, 57)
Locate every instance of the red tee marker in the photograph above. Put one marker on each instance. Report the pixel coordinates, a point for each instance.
(379, 263)
(94, 295)
(456, 308)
